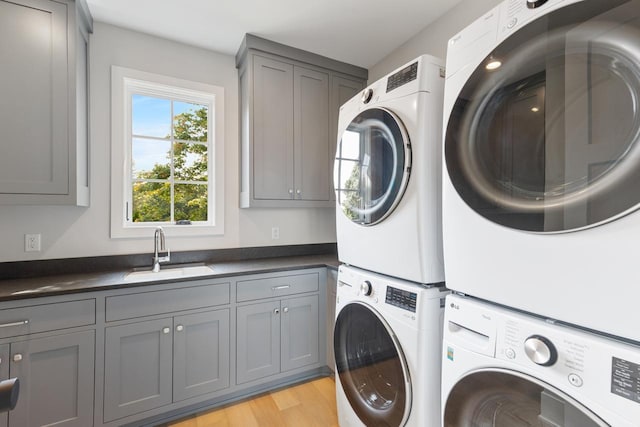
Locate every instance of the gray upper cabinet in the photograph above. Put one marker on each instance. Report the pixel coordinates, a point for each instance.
(288, 123)
(43, 102)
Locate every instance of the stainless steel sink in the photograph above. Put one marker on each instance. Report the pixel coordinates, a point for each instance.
(169, 273)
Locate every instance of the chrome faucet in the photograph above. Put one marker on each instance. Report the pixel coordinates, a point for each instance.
(159, 246)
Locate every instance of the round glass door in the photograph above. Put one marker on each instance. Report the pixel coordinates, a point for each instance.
(504, 399)
(372, 166)
(371, 367)
(545, 134)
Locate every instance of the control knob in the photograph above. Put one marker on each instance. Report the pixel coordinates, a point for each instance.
(540, 350)
(366, 288)
(367, 95)
(532, 4)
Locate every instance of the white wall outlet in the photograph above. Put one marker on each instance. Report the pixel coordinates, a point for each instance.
(32, 242)
(275, 233)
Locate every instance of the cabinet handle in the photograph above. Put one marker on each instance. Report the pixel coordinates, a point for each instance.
(298, 191)
(20, 323)
(17, 357)
(291, 191)
(277, 288)
(166, 330)
(286, 309)
(179, 328)
(276, 311)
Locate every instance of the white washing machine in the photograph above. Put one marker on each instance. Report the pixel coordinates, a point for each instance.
(542, 160)
(387, 344)
(502, 368)
(387, 174)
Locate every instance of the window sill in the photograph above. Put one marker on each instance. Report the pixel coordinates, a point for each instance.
(171, 230)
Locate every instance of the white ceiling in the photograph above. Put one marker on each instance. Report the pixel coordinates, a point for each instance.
(360, 32)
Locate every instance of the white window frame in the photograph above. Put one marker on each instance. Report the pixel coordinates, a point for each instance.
(125, 83)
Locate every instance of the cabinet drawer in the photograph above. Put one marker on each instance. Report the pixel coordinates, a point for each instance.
(166, 301)
(277, 286)
(46, 317)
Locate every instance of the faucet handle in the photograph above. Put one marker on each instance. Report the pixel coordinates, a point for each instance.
(165, 258)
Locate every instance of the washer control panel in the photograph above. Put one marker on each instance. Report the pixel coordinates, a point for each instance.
(400, 298)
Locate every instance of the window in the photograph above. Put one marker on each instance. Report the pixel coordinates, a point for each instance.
(167, 155)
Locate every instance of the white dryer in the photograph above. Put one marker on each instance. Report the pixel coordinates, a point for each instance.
(502, 368)
(542, 154)
(387, 344)
(387, 174)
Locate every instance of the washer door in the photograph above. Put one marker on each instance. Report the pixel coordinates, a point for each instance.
(371, 366)
(372, 166)
(549, 141)
(500, 398)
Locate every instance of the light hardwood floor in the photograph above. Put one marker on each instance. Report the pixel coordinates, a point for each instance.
(311, 403)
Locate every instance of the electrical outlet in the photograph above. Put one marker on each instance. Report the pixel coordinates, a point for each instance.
(275, 233)
(32, 242)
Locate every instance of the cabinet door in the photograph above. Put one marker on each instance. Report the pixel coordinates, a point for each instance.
(33, 97)
(300, 332)
(342, 90)
(201, 354)
(272, 129)
(56, 380)
(137, 371)
(258, 335)
(311, 134)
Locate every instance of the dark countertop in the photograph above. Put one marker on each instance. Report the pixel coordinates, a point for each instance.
(36, 287)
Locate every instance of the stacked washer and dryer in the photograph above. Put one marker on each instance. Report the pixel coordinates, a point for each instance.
(390, 296)
(540, 216)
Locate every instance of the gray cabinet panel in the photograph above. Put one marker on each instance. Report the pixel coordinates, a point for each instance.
(332, 284)
(43, 103)
(34, 122)
(138, 359)
(201, 354)
(311, 134)
(56, 380)
(300, 332)
(272, 129)
(167, 301)
(258, 341)
(46, 317)
(278, 286)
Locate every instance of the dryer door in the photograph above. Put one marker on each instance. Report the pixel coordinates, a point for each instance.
(545, 134)
(500, 398)
(372, 166)
(371, 367)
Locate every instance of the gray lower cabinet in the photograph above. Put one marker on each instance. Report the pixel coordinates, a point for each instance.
(332, 284)
(56, 380)
(154, 363)
(276, 336)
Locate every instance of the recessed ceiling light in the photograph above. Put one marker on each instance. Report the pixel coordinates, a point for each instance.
(535, 109)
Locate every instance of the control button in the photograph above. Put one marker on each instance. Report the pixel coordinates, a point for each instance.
(512, 23)
(540, 350)
(510, 353)
(575, 380)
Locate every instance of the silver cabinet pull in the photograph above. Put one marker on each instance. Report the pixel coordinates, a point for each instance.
(286, 309)
(166, 330)
(17, 357)
(298, 191)
(277, 288)
(291, 191)
(276, 311)
(179, 328)
(20, 323)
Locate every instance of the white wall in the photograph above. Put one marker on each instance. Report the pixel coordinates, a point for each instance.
(433, 38)
(79, 232)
